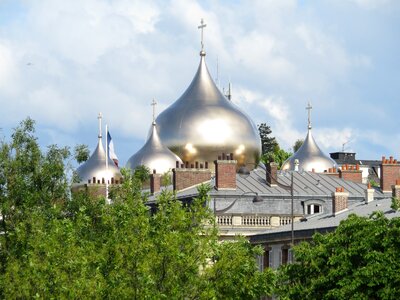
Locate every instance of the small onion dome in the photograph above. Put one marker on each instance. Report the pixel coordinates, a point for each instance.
(309, 157)
(203, 123)
(94, 169)
(154, 155)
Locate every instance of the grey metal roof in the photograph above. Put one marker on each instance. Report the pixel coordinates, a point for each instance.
(327, 222)
(306, 184)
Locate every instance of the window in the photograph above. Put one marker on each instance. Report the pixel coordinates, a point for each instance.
(313, 209)
(267, 263)
(285, 254)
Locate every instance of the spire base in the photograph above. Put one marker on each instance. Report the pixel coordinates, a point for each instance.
(202, 53)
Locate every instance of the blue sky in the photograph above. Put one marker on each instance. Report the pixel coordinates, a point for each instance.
(62, 62)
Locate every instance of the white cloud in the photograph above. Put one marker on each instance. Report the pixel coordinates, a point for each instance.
(8, 70)
(115, 56)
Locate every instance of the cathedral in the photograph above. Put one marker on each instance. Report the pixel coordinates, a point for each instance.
(203, 137)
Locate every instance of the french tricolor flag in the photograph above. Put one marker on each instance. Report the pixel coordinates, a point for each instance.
(111, 151)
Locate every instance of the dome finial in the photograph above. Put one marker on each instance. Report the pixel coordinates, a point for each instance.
(154, 103)
(100, 116)
(309, 108)
(202, 52)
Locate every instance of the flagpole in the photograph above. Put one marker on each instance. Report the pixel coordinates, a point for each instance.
(107, 177)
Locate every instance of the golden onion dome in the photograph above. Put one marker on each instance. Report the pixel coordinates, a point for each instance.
(309, 156)
(202, 124)
(154, 155)
(94, 169)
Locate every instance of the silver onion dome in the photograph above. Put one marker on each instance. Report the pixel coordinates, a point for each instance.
(94, 169)
(309, 156)
(154, 155)
(203, 123)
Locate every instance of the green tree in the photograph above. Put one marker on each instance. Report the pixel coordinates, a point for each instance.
(359, 260)
(142, 173)
(278, 155)
(81, 153)
(268, 143)
(58, 245)
(234, 273)
(395, 203)
(297, 145)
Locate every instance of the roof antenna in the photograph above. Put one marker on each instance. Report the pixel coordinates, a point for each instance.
(201, 26)
(343, 145)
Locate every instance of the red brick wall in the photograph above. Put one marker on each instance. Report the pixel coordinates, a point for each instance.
(187, 177)
(390, 171)
(351, 175)
(155, 183)
(225, 174)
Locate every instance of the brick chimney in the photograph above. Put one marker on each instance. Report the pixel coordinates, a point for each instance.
(390, 171)
(185, 176)
(225, 172)
(332, 172)
(369, 194)
(396, 189)
(339, 201)
(272, 173)
(155, 182)
(351, 173)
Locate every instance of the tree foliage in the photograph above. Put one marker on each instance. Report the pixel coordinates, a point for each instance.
(142, 173)
(81, 153)
(58, 245)
(268, 142)
(360, 260)
(297, 144)
(271, 151)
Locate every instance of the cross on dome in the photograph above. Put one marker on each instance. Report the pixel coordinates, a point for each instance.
(154, 103)
(100, 116)
(309, 108)
(202, 37)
